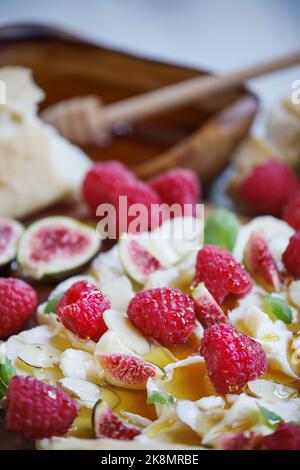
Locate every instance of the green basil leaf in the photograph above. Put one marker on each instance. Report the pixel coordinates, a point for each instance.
(7, 371)
(270, 418)
(277, 308)
(160, 398)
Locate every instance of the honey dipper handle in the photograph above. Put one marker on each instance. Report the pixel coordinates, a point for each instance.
(185, 92)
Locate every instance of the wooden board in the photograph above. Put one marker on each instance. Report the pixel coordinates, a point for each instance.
(202, 135)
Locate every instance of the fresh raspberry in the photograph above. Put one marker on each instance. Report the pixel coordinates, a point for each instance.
(221, 274)
(286, 437)
(106, 182)
(164, 314)
(181, 186)
(38, 410)
(268, 187)
(291, 256)
(81, 310)
(232, 358)
(18, 303)
(291, 212)
(103, 181)
(241, 441)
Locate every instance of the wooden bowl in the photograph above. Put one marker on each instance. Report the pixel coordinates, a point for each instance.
(202, 136)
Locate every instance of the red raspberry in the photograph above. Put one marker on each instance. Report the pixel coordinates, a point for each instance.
(291, 256)
(106, 182)
(268, 187)
(232, 358)
(291, 212)
(221, 274)
(103, 181)
(38, 410)
(241, 441)
(81, 310)
(164, 314)
(18, 303)
(286, 437)
(181, 186)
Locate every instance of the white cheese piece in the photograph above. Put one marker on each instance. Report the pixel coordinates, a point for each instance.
(294, 293)
(78, 364)
(38, 167)
(245, 415)
(119, 291)
(283, 130)
(22, 94)
(107, 265)
(274, 337)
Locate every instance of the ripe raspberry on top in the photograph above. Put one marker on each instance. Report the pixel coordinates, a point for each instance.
(291, 212)
(232, 358)
(164, 314)
(106, 182)
(221, 274)
(103, 181)
(81, 309)
(268, 187)
(181, 186)
(291, 256)
(38, 410)
(18, 303)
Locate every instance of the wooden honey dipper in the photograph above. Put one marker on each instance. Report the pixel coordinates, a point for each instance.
(83, 120)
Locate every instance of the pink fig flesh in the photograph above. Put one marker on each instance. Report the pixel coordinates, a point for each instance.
(127, 371)
(207, 309)
(107, 424)
(260, 262)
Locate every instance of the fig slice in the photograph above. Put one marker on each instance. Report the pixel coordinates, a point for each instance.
(138, 262)
(107, 424)
(55, 247)
(10, 233)
(207, 309)
(127, 371)
(260, 262)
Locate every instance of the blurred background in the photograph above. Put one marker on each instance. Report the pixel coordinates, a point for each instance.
(220, 35)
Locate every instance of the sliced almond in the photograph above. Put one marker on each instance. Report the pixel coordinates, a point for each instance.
(39, 355)
(129, 335)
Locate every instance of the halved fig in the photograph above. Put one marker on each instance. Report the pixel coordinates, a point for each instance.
(56, 247)
(138, 262)
(207, 309)
(260, 262)
(107, 424)
(127, 371)
(10, 233)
